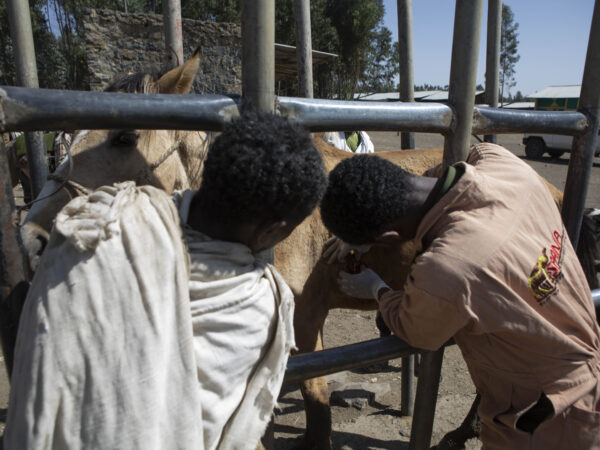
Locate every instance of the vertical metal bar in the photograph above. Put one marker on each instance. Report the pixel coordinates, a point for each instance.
(173, 32)
(408, 386)
(13, 265)
(407, 84)
(303, 48)
(407, 140)
(584, 147)
(258, 53)
(258, 87)
(492, 64)
(463, 73)
(427, 390)
(22, 37)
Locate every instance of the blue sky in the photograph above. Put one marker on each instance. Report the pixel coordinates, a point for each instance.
(553, 36)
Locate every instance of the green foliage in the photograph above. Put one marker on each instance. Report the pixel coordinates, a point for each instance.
(508, 50)
(49, 62)
(212, 10)
(430, 87)
(352, 29)
(382, 62)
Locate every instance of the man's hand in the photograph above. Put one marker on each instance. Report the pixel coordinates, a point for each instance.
(365, 284)
(336, 250)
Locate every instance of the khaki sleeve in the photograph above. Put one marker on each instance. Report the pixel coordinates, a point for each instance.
(423, 318)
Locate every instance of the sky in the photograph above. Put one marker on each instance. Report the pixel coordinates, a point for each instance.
(553, 36)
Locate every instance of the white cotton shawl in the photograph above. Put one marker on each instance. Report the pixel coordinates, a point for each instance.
(104, 356)
(108, 355)
(242, 316)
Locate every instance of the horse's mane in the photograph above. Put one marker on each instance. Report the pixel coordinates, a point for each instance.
(135, 83)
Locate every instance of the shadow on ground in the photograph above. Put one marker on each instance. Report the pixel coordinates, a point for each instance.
(340, 440)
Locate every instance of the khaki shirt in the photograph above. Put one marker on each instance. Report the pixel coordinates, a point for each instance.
(496, 271)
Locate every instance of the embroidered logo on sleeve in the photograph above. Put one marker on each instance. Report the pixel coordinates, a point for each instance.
(546, 273)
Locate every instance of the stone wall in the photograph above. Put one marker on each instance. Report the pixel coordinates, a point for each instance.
(118, 42)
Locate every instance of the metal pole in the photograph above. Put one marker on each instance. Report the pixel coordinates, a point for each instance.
(13, 265)
(24, 52)
(27, 109)
(407, 83)
(173, 32)
(258, 53)
(407, 140)
(582, 152)
(463, 72)
(407, 388)
(258, 85)
(492, 64)
(303, 48)
(427, 390)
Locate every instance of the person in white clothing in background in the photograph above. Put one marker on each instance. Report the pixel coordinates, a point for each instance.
(350, 141)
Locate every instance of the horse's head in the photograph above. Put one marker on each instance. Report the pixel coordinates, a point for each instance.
(167, 159)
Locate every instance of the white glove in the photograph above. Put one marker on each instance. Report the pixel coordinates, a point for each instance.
(365, 284)
(336, 249)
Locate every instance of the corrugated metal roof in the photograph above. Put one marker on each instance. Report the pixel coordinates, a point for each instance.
(434, 96)
(570, 91)
(379, 97)
(285, 61)
(519, 105)
(439, 96)
(422, 94)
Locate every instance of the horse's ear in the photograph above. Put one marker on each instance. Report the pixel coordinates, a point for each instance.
(179, 80)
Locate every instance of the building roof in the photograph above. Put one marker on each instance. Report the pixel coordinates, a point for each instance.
(433, 96)
(519, 105)
(379, 97)
(419, 95)
(569, 91)
(285, 61)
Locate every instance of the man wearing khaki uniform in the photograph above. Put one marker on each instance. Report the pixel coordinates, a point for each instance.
(495, 270)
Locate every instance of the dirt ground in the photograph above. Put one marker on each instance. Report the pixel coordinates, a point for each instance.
(373, 419)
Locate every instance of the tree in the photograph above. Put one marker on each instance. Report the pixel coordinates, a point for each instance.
(212, 10)
(380, 63)
(508, 50)
(50, 65)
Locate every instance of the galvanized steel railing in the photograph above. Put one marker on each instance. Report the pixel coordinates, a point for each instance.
(29, 109)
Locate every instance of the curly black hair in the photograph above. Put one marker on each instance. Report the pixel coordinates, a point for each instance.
(364, 194)
(261, 167)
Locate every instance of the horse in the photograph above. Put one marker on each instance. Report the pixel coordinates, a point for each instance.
(104, 157)
(166, 159)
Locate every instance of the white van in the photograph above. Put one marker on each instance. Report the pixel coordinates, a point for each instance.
(553, 144)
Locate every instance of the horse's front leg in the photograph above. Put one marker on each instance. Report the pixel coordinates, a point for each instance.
(309, 317)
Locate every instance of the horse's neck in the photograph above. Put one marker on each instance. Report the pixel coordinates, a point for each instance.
(192, 152)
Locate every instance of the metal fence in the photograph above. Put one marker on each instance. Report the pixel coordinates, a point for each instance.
(29, 109)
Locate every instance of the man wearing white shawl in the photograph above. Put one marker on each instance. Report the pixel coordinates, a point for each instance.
(154, 325)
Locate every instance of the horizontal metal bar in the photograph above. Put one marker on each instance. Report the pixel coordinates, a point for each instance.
(24, 109)
(28, 109)
(500, 120)
(332, 360)
(46, 109)
(316, 364)
(340, 115)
